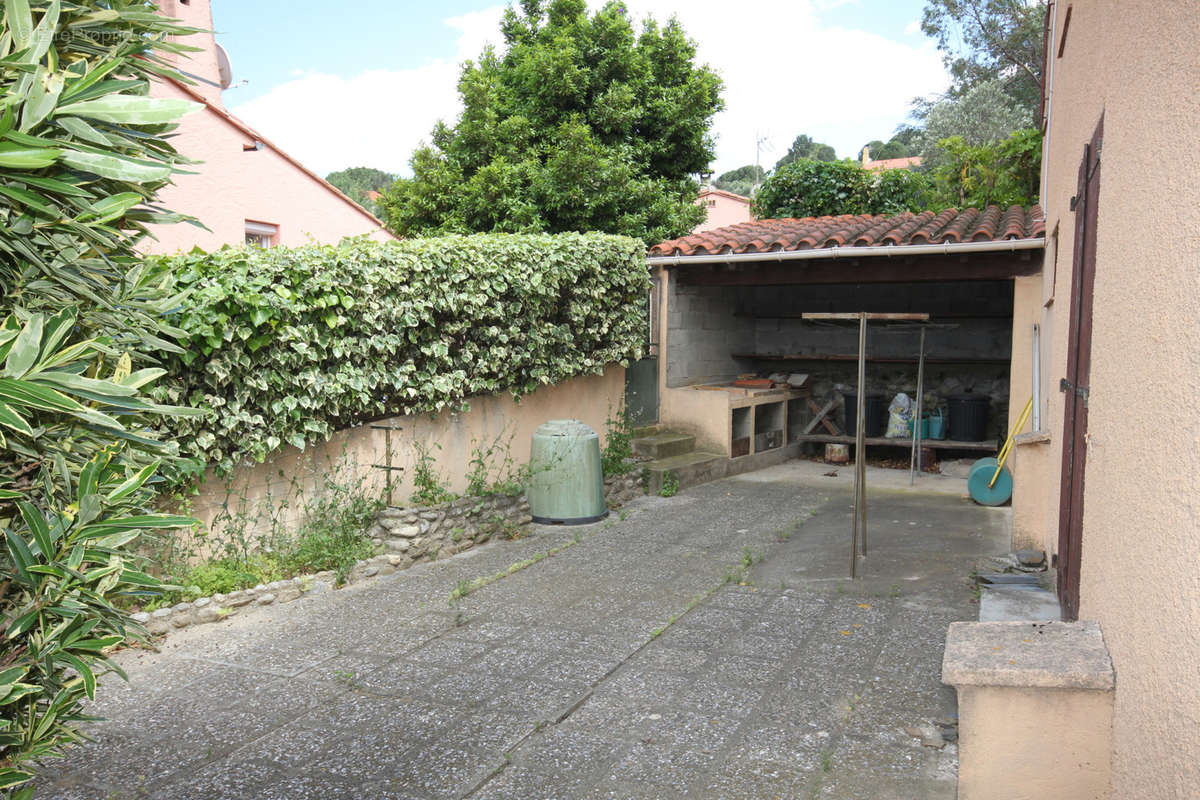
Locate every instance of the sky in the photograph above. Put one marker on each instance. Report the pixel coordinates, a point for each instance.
(338, 88)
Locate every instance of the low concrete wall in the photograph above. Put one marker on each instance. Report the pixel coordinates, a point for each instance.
(1035, 710)
(261, 499)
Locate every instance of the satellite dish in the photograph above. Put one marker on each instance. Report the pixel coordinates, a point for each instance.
(224, 69)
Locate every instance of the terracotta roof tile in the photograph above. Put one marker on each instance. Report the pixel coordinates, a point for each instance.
(848, 230)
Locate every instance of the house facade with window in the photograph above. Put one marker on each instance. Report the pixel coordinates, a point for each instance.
(245, 189)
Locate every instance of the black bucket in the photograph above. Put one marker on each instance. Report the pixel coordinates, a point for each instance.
(968, 417)
(874, 414)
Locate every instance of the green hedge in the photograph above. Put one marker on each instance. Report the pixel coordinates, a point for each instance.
(286, 346)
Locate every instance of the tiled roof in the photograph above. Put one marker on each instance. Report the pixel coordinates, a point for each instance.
(992, 224)
(722, 193)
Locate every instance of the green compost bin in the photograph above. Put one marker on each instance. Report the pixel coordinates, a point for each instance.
(567, 483)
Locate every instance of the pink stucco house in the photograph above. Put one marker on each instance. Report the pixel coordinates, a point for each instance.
(723, 209)
(246, 189)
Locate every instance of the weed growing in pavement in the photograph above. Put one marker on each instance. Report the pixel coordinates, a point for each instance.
(464, 587)
(617, 456)
(670, 486)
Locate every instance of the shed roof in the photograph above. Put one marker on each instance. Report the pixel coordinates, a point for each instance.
(991, 224)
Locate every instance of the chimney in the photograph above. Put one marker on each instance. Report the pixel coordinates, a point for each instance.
(202, 67)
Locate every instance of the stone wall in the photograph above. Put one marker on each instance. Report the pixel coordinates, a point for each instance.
(402, 537)
(417, 534)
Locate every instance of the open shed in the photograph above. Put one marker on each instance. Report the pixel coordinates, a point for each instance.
(730, 303)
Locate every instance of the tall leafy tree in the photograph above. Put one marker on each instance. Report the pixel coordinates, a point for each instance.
(356, 182)
(581, 124)
(990, 40)
(983, 114)
(803, 147)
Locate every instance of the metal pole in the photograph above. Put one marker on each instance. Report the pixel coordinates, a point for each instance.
(1037, 377)
(860, 474)
(387, 460)
(916, 453)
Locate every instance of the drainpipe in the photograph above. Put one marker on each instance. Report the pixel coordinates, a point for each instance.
(1050, 58)
(1037, 378)
(888, 251)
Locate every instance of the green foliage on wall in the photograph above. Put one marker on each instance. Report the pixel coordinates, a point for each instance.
(83, 152)
(286, 346)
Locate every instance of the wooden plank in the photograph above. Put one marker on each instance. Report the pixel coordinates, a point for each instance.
(894, 316)
(876, 359)
(935, 444)
(977, 267)
(820, 417)
(829, 426)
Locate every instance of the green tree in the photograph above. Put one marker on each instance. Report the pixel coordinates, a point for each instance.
(82, 318)
(355, 182)
(813, 189)
(902, 145)
(581, 125)
(1003, 173)
(984, 114)
(803, 147)
(990, 40)
(741, 180)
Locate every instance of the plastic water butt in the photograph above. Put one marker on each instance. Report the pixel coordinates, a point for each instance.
(567, 482)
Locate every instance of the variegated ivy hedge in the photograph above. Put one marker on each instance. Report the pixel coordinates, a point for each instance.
(286, 346)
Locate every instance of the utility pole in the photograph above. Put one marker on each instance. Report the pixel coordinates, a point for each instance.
(759, 142)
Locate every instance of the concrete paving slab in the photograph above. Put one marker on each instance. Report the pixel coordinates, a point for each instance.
(709, 645)
(1016, 603)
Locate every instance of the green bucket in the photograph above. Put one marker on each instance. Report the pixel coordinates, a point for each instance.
(937, 426)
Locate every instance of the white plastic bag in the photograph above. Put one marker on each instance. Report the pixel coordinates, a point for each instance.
(900, 412)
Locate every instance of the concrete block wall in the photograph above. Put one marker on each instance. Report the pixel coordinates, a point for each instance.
(703, 333)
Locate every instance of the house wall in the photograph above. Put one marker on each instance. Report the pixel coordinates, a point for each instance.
(280, 488)
(1134, 61)
(232, 186)
(724, 211)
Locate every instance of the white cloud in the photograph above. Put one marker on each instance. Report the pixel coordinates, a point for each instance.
(784, 72)
(912, 28)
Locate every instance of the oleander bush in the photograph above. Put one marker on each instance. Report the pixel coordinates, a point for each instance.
(285, 346)
(82, 154)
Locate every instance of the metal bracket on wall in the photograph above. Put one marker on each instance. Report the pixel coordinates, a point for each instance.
(387, 458)
(1065, 385)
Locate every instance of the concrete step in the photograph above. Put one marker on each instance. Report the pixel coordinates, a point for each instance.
(664, 444)
(689, 469)
(644, 430)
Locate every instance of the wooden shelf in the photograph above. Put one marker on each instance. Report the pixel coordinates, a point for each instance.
(947, 315)
(990, 445)
(876, 359)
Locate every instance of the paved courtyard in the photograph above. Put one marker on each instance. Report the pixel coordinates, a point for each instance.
(702, 646)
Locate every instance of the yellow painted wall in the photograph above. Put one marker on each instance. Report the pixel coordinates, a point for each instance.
(1138, 63)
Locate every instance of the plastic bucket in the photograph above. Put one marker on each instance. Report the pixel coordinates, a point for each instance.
(937, 426)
